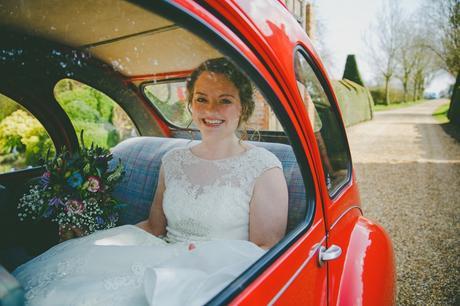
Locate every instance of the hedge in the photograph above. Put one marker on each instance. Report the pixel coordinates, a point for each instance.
(355, 101)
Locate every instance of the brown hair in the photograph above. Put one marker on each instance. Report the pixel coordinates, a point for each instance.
(238, 78)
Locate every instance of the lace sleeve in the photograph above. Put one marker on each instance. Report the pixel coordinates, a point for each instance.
(268, 160)
(170, 162)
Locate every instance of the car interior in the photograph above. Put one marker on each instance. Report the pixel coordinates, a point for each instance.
(139, 60)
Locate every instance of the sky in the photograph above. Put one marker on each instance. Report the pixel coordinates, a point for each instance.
(345, 24)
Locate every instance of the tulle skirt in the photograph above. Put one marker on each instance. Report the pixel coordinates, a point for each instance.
(128, 266)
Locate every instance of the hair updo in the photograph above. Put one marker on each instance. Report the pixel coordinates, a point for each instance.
(234, 75)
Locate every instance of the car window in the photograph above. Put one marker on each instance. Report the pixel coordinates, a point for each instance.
(24, 141)
(169, 97)
(103, 121)
(329, 134)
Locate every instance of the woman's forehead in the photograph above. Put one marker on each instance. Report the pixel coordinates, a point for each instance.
(215, 80)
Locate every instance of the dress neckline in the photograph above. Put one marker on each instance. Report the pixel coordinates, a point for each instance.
(244, 153)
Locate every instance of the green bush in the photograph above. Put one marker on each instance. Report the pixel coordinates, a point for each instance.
(355, 101)
(72, 95)
(7, 106)
(22, 133)
(378, 94)
(89, 110)
(78, 110)
(103, 135)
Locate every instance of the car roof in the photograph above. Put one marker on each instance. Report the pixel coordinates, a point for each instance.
(119, 33)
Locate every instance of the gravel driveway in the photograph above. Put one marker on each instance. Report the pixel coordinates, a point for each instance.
(408, 170)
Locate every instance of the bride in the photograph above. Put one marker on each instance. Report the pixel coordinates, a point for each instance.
(218, 206)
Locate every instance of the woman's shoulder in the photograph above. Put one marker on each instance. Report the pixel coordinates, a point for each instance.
(175, 153)
(264, 158)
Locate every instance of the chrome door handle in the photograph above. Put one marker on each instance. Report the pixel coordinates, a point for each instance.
(333, 252)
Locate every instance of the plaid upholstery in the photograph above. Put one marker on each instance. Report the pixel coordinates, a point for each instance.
(141, 157)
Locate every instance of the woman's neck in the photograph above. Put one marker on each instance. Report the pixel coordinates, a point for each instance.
(219, 148)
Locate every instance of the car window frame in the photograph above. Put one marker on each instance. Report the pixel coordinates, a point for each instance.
(333, 102)
(160, 114)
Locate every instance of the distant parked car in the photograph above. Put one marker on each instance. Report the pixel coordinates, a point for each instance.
(431, 95)
(117, 70)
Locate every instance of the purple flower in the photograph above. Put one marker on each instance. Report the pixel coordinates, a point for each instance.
(48, 212)
(113, 218)
(94, 184)
(99, 220)
(55, 202)
(74, 206)
(75, 180)
(45, 179)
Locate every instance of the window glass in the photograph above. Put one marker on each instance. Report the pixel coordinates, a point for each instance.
(325, 122)
(169, 98)
(24, 141)
(103, 121)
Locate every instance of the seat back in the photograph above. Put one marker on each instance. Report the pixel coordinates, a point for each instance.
(141, 158)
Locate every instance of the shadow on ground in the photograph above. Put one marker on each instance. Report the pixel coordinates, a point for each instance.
(452, 130)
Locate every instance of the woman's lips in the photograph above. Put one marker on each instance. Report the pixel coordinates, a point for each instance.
(213, 122)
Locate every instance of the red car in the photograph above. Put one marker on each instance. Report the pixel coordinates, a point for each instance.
(59, 60)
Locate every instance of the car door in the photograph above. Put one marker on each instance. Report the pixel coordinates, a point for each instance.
(289, 274)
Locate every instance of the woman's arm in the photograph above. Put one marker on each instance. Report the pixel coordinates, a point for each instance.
(156, 223)
(269, 209)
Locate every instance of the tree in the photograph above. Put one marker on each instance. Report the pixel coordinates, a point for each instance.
(405, 57)
(423, 69)
(442, 21)
(385, 42)
(351, 71)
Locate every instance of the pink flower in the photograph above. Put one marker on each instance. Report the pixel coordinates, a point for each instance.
(74, 206)
(94, 184)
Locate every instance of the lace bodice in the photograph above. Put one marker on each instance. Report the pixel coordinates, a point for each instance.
(209, 199)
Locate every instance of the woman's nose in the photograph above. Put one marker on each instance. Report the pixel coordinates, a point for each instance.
(211, 107)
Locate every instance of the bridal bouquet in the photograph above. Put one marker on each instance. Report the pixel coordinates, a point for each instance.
(75, 192)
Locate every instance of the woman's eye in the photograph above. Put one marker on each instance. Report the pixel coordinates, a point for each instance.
(226, 101)
(200, 100)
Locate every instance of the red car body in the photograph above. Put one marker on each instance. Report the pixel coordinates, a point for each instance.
(267, 35)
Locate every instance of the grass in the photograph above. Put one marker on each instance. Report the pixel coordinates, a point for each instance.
(381, 107)
(441, 113)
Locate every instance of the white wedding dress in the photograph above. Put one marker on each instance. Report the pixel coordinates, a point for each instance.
(206, 202)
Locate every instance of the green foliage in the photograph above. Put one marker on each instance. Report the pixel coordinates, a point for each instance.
(378, 94)
(89, 110)
(7, 106)
(454, 109)
(103, 135)
(351, 71)
(73, 96)
(441, 113)
(24, 141)
(22, 133)
(78, 110)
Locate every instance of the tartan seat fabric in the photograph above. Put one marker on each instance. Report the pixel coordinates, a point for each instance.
(141, 158)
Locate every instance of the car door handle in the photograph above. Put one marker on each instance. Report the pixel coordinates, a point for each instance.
(333, 252)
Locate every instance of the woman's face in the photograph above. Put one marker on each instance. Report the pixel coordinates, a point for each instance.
(216, 105)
